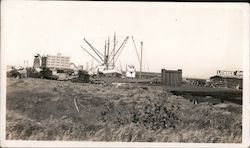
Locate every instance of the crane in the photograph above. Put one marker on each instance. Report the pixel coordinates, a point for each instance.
(107, 59)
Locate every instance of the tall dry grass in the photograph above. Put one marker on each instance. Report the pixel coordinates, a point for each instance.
(44, 110)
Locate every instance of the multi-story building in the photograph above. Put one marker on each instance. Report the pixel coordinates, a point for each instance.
(57, 61)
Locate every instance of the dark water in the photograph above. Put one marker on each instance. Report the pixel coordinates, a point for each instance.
(213, 97)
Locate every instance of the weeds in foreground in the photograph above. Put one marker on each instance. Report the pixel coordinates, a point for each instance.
(44, 110)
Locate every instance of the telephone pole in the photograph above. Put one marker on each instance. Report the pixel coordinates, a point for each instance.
(113, 58)
(141, 59)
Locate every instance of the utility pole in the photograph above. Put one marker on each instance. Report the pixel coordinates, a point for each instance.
(114, 50)
(105, 46)
(141, 59)
(108, 47)
(107, 55)
(105, 58)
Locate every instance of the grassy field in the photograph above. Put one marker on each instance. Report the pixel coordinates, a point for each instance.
(39, 109)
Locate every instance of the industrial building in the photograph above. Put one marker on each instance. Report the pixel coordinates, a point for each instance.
(230, 74)
(51, 61)
(57, 61)
(171, 77)
(227, 79)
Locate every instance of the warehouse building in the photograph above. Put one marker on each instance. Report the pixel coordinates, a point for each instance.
(227, 79)
(171, 77)
(230, 74)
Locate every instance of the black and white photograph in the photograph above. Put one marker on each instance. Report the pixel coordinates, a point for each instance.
(126, 72)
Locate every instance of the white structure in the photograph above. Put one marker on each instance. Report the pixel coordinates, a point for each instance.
(130, 71)
(103, 69)
(58, 61)
(233, 74)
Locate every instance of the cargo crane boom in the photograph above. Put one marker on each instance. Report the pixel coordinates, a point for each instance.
(98, 53)
(91, 55)
(108, 57)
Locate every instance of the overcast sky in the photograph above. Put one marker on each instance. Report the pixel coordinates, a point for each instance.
(198, 38)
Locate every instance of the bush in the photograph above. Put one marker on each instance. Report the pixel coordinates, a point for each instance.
(151, 114)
